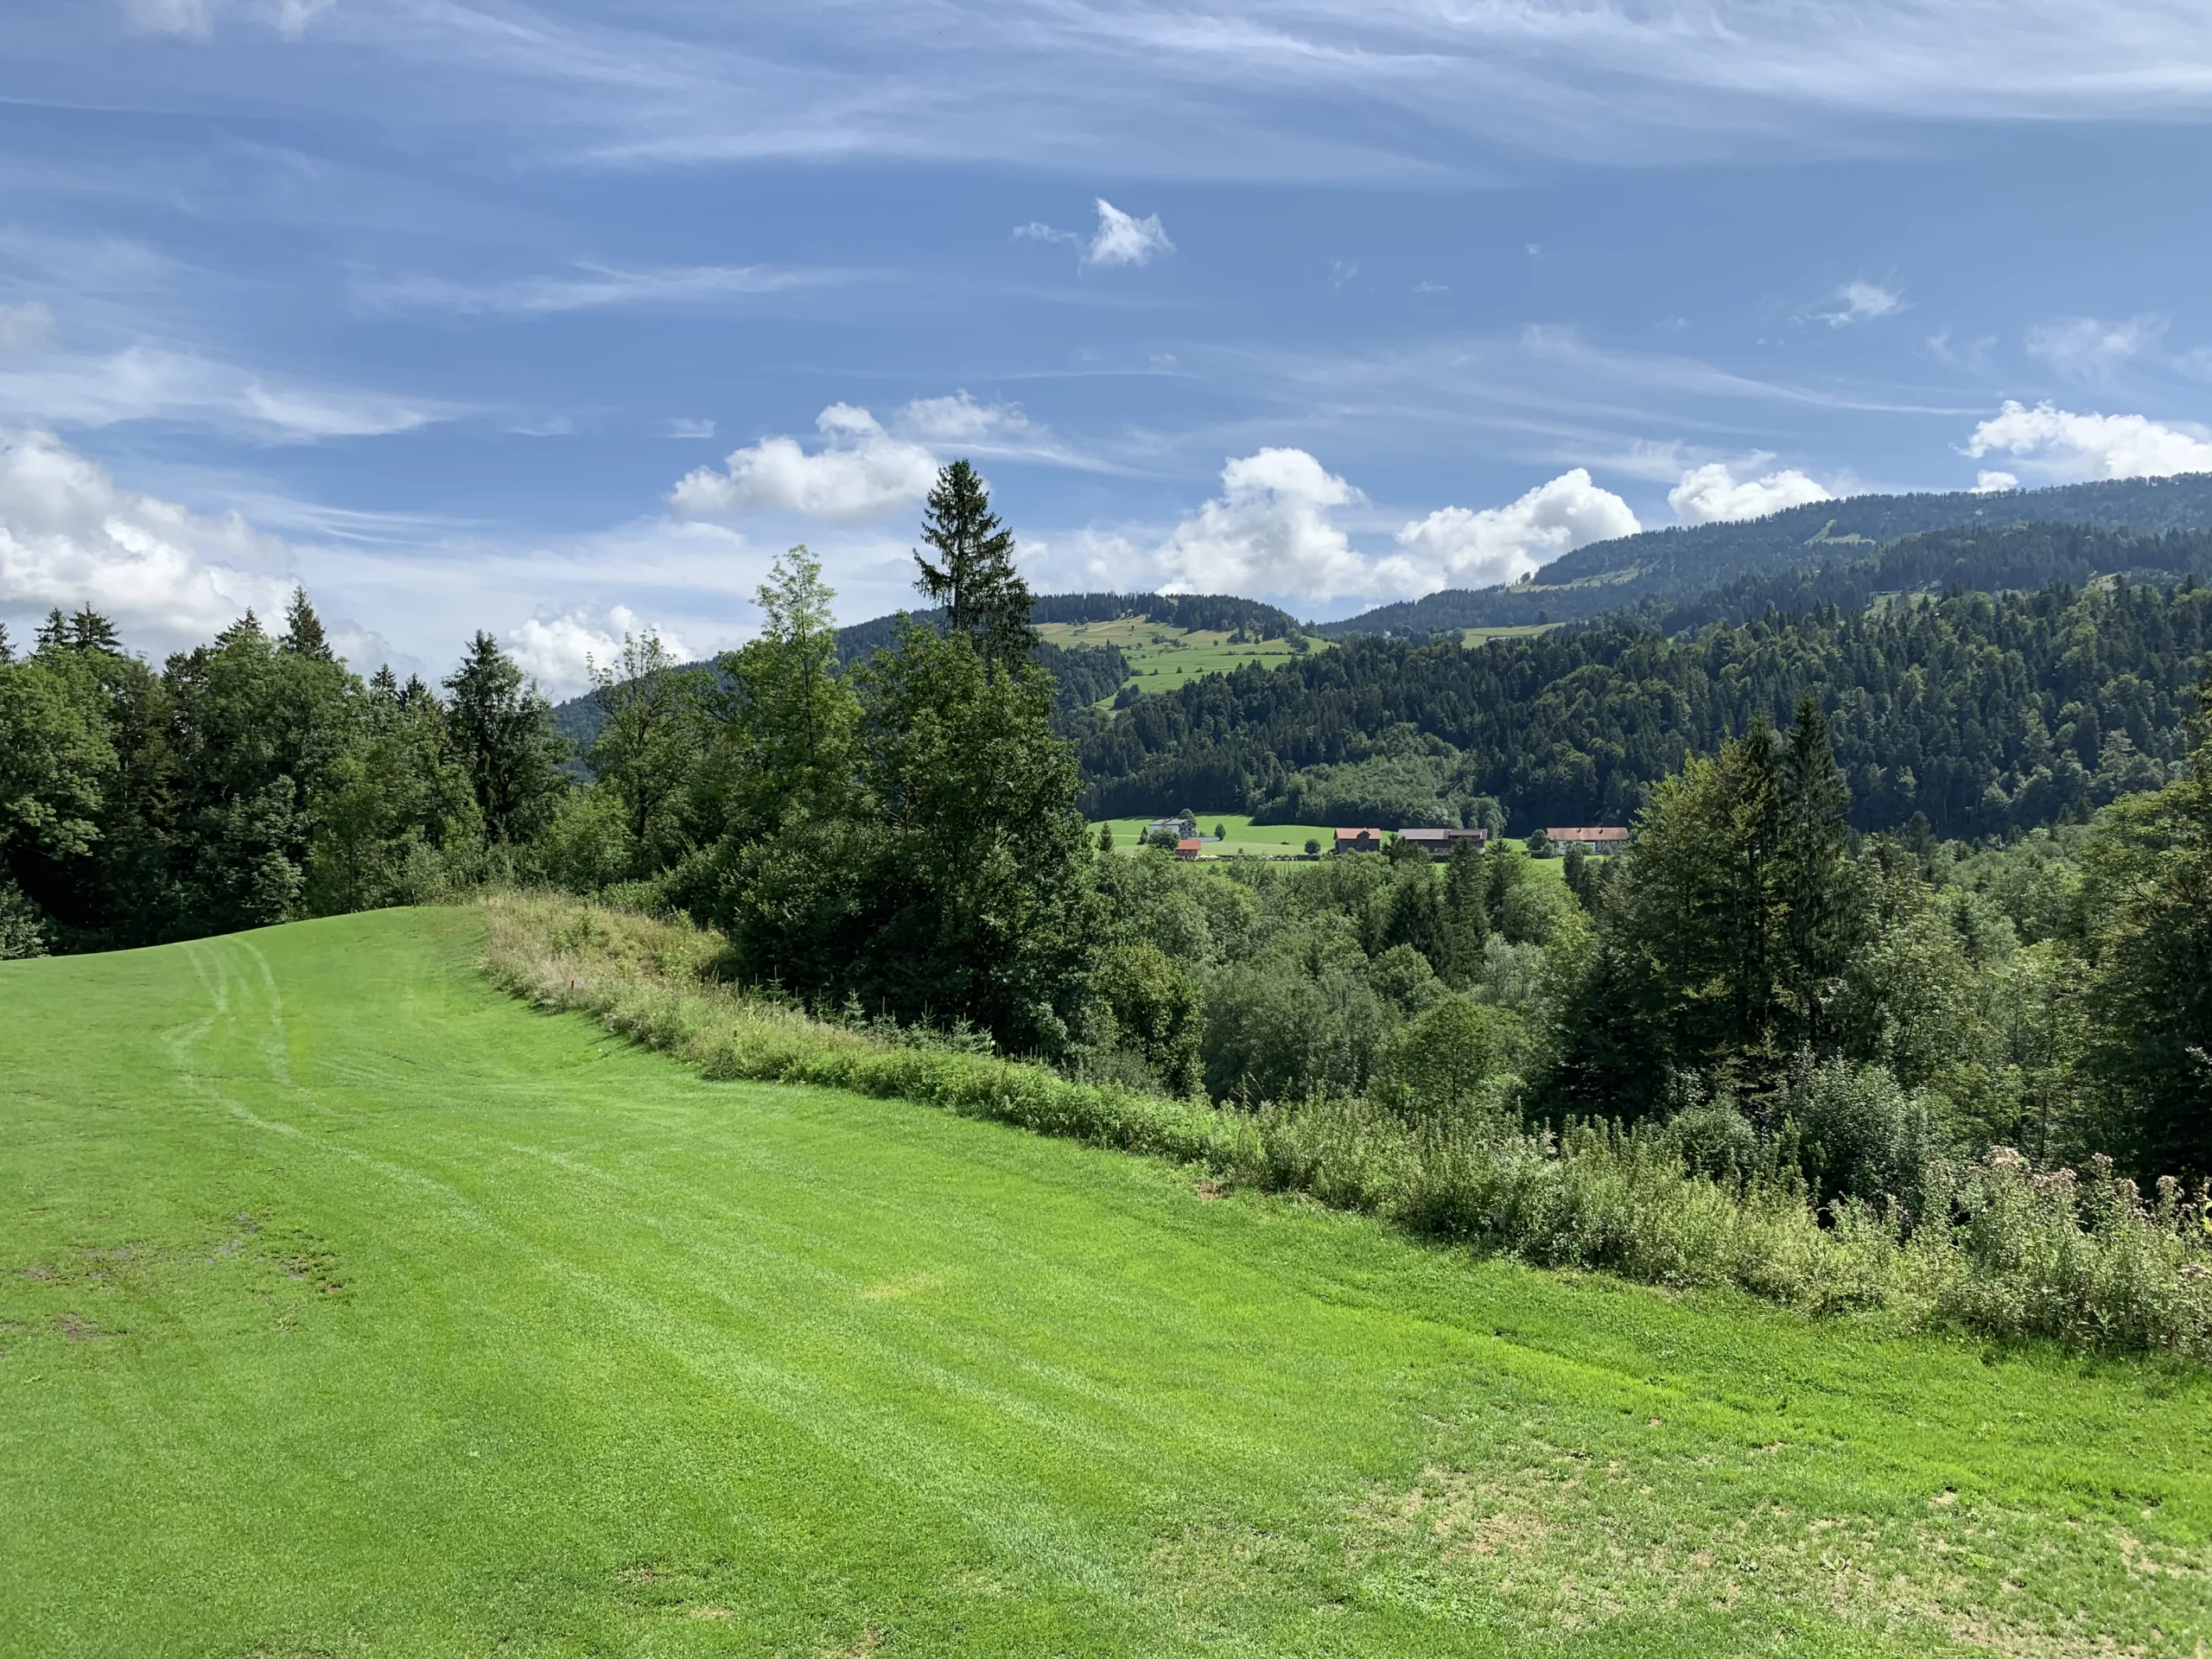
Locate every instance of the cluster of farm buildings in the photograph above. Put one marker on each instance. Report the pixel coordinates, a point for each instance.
(1437, 843)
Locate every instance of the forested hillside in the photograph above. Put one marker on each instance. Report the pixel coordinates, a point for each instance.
(1976, 712)
(2022, 558)
(1683, 563)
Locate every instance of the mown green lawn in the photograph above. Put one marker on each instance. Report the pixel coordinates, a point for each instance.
(348, 1307)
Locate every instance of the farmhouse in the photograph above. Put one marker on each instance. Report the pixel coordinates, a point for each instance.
(1186, 846)
(1602, 838)
(1359, 841)
(1438, 843)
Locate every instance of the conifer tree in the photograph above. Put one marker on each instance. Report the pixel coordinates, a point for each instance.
(973, 577)
(504, 731)
(303, 635)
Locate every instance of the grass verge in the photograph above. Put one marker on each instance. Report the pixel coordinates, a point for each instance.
(2009, 1253)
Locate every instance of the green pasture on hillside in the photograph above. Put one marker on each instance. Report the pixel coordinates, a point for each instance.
(348, 1307)
(1162, 658)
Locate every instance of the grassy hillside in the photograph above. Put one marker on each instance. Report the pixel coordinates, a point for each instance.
(349, 1307)
(1162, 657)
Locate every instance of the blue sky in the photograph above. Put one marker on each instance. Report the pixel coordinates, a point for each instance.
(562, 319)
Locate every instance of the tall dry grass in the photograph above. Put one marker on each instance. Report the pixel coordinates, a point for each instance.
(2004, 1251)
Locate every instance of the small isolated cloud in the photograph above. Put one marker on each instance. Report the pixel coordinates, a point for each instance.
(2062, 446)
(25, 328)
(166, 576)
(1861, 301)
(1712, 493)
(1269, 531)
(859, 472)
(1987, 482)
(560, 652)
(1121, 239)
(2091, 353)
(1453, 547)
(677, 426)
(1124, 239)
(960, 419)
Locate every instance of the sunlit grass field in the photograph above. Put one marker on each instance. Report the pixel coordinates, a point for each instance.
(347, 1307)
(1162, 658)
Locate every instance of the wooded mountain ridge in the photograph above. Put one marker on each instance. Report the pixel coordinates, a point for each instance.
(1681, 564)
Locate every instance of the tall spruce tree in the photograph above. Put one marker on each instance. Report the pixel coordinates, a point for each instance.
(504, 732)
(303, 635)
(973, 577)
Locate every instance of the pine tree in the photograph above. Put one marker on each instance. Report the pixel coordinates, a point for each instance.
(7, 648)
(303, 635)
(1105, 837)
(90, 631)
(975, 580)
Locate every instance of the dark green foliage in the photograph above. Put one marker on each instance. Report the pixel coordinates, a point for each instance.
(648, 743)
(303, 635)
(503, 731)
(2151, 1045)
(2020, 559)
(902, 837)
(256, 731)
(984, 597)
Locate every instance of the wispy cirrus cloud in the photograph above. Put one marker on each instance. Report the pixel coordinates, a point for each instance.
(2091, 353)
(1274, 89)
(157, 383)
(1860, 300)
(589, 286)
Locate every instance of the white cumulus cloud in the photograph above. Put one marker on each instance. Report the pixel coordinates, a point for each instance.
(1269, 531)
(1454, 547)
(1713, 492)
(559, 651)
(1989, 481)
(2062, 445)
(961, 419)
(859, 472)
(165, 575)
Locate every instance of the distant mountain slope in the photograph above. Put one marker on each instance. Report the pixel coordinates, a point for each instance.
(1982, 713)
(2018, 559)
(1683, 565)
